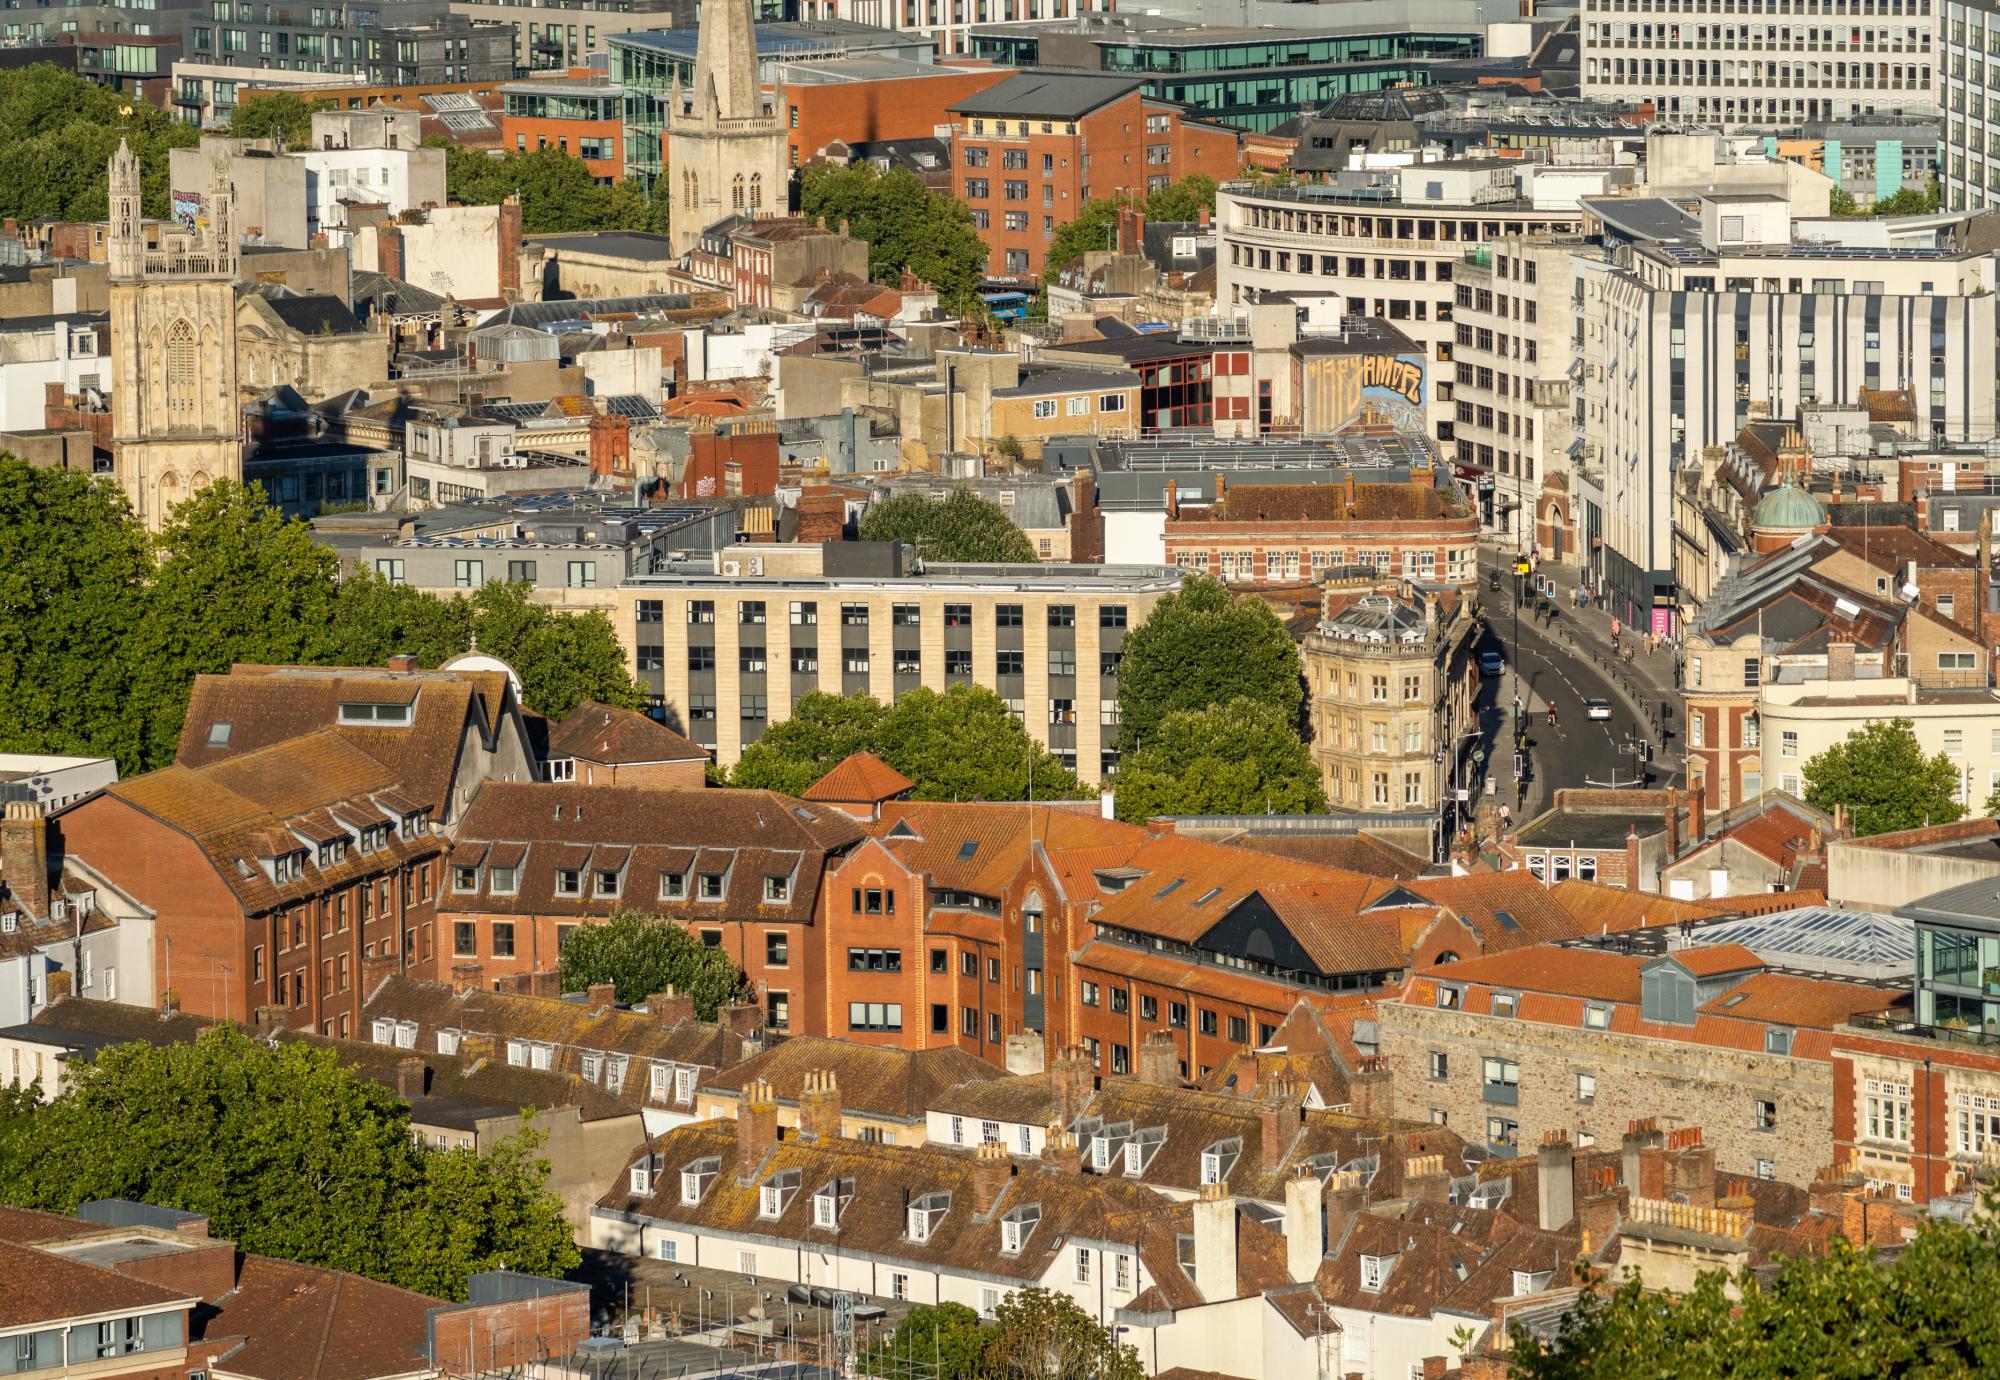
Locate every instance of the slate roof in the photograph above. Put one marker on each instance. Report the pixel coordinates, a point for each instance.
(1048, 95)
(873, 1079)
(380, 293)
(312, 313)
(608, 735)
(752, 839)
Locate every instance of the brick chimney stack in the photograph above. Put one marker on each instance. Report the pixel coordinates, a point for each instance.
(756, 1128)
(819, 1105)
(1072, 1083)
(1160, 1060)
(24, 855)
(1555, 1182)
(991, 1171)
(409, 1079)
(670, 1008)
(744, 1018)
(1279, 1114)
(1062, 1152)
(601, 994)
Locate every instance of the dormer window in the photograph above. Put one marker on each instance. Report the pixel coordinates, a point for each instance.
(1219, 1159)
(1375, 1270)
(375, 715)
(830, 1202)
(1596, 1016)
(1505, 1003)
(927, 1214)
(1531, 1281)
(696, 1178)
(713, 885)
(465, 879)
(604, 883)
(644, 1171)
(569, 881)
(1777, 1040)
(1450, 998)
(1017, 1226)
(503, 881)
(447, 1042)
(385, 1032)
(673, 886)
(775, 1194)
(1139, 1150)
(777, 890)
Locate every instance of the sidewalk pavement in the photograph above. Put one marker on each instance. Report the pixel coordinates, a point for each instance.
(1645, 681)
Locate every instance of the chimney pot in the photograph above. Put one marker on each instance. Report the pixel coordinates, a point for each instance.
(402, 662)
(600, 994)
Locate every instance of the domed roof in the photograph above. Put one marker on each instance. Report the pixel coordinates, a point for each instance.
(1787, 508)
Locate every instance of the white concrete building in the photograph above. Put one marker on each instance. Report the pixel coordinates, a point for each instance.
(1742, 65)
(36, 351)
(1968, 100)
(1390, 256)
(1801, 719)
(1688, 336)
(51, 781)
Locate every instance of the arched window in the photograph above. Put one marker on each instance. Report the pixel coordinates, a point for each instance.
(756, 191)
(736, 193)
(183, 365)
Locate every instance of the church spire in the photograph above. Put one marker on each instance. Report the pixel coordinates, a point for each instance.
(725, 62)
(125, 246)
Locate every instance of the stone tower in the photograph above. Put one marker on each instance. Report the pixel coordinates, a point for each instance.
(176, 421)
(725, 141)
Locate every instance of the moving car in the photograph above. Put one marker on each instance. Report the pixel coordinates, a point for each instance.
(1597, 709)
(1491, 663)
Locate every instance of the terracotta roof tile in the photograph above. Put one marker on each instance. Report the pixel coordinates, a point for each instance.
(860, 778)
(1713, 959)
(1593, 973)
(44, 1287)
(605, 734)
(1190, 885)
(981, 848)
(1782, 999)
(1363, 853)
(1601, 909)
(352, 1328)
(873, 1079)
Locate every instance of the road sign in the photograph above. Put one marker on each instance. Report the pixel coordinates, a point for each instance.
(1520, 567)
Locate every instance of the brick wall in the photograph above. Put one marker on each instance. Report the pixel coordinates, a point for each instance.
(1680, 1084)
(866, 111)
(490, 1338)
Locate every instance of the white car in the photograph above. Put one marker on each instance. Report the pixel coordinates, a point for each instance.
(1596, 709)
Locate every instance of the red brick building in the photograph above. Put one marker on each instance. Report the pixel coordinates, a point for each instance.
(296, 843)
(1914, 1116)
(1282, 534)
(1034, 149)
(580, 116)
(828, 108)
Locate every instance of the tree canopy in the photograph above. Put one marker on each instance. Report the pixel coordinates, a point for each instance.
(1239, 758)
(280, 114)
(642, 955)
(1092, 229)
(1201, 647)
(289, 1154)
(228, 579)
(57, 134)
(1880, 774)
(1925, 1314)
(962, 526)
(1036, 1334)
(906, 224)
(963, 744)
(559, 193)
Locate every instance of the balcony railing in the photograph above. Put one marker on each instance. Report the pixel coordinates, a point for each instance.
(1964, 1035)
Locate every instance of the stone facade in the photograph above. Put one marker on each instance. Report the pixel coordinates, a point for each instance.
(173, 346)
(725, 141)
(1392, 684)
(1682, 1084)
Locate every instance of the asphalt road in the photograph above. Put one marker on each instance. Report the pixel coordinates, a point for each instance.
(1544, 669)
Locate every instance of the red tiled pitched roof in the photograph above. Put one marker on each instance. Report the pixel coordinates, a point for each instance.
(605, 733)
(1583, 972)
(352, 1328)
(1602, 909)
(1710, 960)
(858, 778)
(1782, 999)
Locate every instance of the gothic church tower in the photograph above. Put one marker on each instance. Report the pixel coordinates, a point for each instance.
(176, 422)
(725, 141)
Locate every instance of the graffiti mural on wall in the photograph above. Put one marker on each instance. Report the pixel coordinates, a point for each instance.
(1336, 390)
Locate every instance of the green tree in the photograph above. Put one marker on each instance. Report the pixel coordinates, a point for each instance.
(280, 114)
(288, 1153)
(962, 526)
(966, 744)
(1239, 758)
(642, 955)
(57, 134)
(1880, 774)
(1840, 203)
(73, 570)
(374, 620)
(1924, 1314)
(1093, 229)
(1908, 201)
(823, 731)
(236, 581)
(942, 1341)
(906, 225)
(1201, 647)
(1039, 1334)
(563, 657)
(559, 193)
